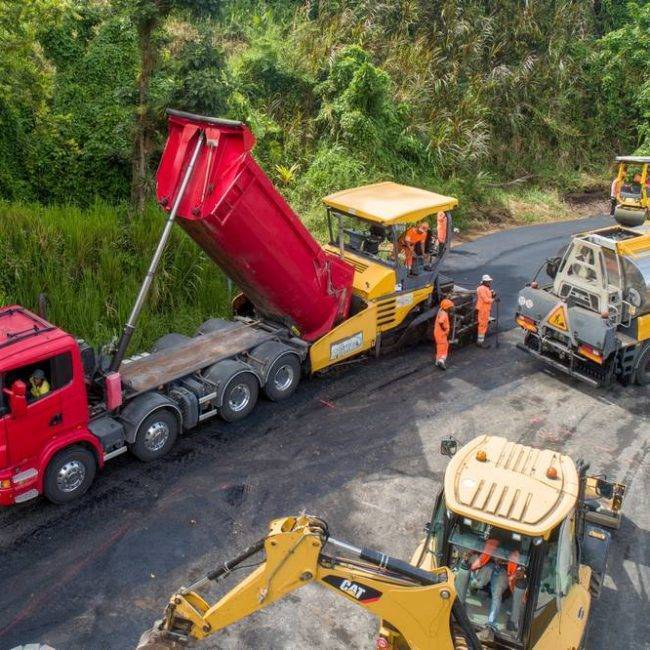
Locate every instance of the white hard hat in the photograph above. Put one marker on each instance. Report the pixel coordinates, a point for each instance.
(486, 278)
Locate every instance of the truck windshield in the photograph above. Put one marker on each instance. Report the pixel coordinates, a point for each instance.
(491, 567)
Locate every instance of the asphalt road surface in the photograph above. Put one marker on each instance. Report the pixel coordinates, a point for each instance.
(358, 447)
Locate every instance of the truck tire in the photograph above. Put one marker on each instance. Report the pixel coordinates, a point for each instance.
(642, 374)
(69, 474)
(171, 340)
(156, 435)
(283, 378)
(239, 397)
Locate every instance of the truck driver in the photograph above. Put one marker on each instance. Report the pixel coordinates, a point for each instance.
(39, 386)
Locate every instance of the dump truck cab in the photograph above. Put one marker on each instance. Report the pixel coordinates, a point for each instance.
(632, 189)
(592, 321)
(510, 524)
(34, 428)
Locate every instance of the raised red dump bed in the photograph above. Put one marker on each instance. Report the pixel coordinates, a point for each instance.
(234, 213)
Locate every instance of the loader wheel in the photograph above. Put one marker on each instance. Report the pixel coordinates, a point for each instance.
(156, 435)
(69, 474)
(240, 397)
(283, 378)
(642, 375)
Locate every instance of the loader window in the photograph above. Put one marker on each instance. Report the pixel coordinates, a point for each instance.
(559, 567)
(491, 567)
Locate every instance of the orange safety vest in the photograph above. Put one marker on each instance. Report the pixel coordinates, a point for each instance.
(486, 556)
(442, 227)
(484, 298)
(414, 236)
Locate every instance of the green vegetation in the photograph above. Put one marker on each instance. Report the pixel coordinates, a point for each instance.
(90, 262)
(460, 96)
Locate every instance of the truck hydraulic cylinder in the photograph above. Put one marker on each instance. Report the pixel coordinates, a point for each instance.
(155, 262)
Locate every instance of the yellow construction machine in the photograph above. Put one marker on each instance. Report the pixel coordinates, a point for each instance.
(392, 300)
(632, 207)
(511, 559)
(592, 321)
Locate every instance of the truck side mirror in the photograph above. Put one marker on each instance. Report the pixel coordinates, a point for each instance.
(17, 398)
(448, 446)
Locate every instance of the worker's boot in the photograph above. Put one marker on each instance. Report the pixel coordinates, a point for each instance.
(441, 364)
(483, 344)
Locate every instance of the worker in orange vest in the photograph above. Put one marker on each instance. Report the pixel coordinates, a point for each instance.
(613, 194)
(441, 329)
(441, 231)
(413, 241)
(500, 574)
(484, 299)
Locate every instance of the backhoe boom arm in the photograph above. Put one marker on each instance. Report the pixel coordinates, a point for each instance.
(414, 603)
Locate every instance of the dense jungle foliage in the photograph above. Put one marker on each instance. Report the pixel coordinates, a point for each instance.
(455, 95)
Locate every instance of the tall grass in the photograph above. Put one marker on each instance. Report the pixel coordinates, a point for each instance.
(90, 263)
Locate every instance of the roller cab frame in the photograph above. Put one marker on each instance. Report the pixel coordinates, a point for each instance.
(592, 320)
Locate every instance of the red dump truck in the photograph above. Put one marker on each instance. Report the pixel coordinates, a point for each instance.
(303, 307)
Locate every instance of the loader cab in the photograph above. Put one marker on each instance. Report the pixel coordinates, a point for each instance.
(505, 524)
(367, 226)
(511, 585)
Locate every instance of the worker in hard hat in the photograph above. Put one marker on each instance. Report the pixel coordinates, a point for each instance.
(484, 299)
(441, 329)
(39, 386)
(441, 231)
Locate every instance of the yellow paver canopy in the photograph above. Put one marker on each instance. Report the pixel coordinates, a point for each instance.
(389, 203)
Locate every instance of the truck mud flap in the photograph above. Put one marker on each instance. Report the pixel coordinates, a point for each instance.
(559, 366)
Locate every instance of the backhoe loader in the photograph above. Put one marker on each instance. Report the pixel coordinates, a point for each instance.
(511, 559)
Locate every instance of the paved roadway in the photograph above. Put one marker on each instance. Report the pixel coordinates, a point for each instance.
(360, 448)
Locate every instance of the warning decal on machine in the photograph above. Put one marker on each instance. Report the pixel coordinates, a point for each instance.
(557, 318)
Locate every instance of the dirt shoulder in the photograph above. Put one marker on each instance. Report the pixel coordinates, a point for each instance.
(530, 206)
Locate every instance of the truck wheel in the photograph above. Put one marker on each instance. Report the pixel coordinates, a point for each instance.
(156, 435)
(69, 474)
(642, 375)
(283, 378)
(240, 397)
